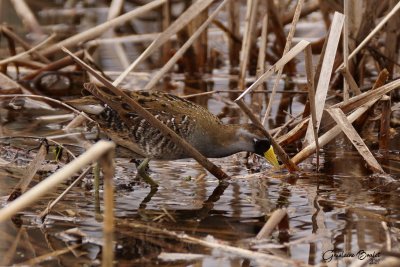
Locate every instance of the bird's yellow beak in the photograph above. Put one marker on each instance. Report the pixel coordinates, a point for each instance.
(271, 157)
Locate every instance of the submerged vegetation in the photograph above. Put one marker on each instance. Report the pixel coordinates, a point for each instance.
(318, 79)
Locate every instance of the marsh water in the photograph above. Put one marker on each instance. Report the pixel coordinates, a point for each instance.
(341, 208)
(332, 213)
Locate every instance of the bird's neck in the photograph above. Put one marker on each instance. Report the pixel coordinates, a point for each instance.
(228, 140)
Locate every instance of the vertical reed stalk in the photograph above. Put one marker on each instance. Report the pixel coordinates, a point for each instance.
(346, 48)
(107, 163)
(261, 60)
(96, 181)
(286, 49)
(27, 17)
(251, 15)
(233, 21)
(326, 71)
(385, 123)
(118, 48)
(171, 62)
(166, 21)
(311, 97)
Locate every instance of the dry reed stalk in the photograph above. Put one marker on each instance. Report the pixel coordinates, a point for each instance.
(349, 81)
(381, 80)
(234, 29)
(100, 29)
(308, 8)
(115, 8)
(56, 65)
(273, 221)
(251, 14)
(318, 67)
(240, 252)
(96, 182)
(354, 102)
(200, 46)
(346, 48)
(188, 62)
(263, 46)
(311, 97)
(208, 165)
(187, 16)
(276, 26)
(277, 148)
(326, 72)
(387, 235)
(6, 31)
(384, 131)
(263, 91)
(134, 38)
(258, 101)
(274, 68)
(27, 17)
(8, 83)
(23, 54)
(118, 49)
(166, 21)
(391, 44)
(247, 18)
(77, 121)
(30, 64)
(28, 173)
(171, 62)
(288, 44)
(365, 97)
(351, 133)
(354, 11)
(372, 33)
(107, 163)
(32, 195)
(277, 131)
(44, 213)
(325, 11)
(198, 94)
(329, 135)
(363, 102)
(47, 99)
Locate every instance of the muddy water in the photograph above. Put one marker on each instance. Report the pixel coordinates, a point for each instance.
(341, 208)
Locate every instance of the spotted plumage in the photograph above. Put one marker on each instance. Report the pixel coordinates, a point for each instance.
(192, 122)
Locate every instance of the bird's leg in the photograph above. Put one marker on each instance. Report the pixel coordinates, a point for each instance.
(142, 172)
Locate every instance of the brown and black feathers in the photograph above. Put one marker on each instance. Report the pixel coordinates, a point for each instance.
(192, 122)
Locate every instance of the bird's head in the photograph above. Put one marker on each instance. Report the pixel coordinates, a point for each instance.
(264, 148)
(258, 142)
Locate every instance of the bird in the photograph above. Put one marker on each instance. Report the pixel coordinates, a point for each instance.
(202, 129)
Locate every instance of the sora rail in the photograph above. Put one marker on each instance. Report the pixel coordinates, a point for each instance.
(192, 122)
